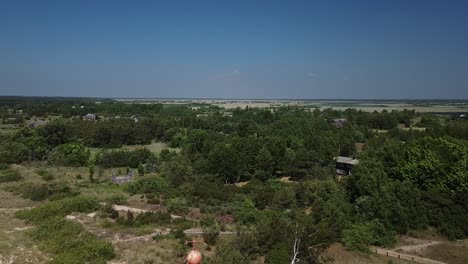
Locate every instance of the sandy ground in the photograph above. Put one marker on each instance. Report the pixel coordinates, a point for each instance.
(15, 245)
(409, 257)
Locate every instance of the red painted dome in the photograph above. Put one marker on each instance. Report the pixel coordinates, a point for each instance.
(194, 257)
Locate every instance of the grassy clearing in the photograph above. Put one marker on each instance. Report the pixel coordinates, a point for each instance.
(74, 177)
(28, 172)
(164, 250)
(102, 191)
(161, 251)
(8, 201)
(154, 147)
(68, 241)
(71, 243)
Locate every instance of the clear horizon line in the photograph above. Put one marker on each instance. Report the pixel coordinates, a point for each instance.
(239, 99)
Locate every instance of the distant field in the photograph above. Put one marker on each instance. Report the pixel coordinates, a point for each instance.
(364, 105)
(401, 107)
(155, 147)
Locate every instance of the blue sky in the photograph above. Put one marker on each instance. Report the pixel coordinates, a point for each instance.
(235, 49)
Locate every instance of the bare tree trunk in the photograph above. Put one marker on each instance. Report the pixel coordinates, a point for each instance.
(296, 252)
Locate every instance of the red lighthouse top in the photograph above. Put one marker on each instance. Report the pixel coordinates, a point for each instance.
(194, 256)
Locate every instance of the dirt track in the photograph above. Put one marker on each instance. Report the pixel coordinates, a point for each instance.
(396, 254)
(13, 209)
(137, 210)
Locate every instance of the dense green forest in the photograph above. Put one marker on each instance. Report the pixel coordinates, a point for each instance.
(407, 179)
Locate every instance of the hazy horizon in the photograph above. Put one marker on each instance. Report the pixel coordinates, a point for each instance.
(399, 50)
(244, 99)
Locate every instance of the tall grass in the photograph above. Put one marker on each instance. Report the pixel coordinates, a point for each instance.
(9, 175)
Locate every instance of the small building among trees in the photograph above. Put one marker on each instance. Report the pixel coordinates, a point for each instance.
(344, 165)
(122, 179)
(91, 117)
(339, 122)
(37, 123)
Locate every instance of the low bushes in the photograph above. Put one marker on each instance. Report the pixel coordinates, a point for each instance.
(146, 218)
(116, 199)
(71, 154)
(45, 174)
(71, 242)
(59, 208)
(149, 184)
(52, 191)
(359, 236)
(177, 205)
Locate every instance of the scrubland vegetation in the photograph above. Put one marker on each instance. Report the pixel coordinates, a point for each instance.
(226, 176)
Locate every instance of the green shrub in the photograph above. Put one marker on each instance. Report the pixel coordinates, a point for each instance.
(177, 205)
(52, 191)
(247, 214)
(108, 211)
(45, 174)
(359, 236)
(71, 242)
(178, 233)
(36, 192)
(72, 154)
(226, 252)
(59, 208)
(116, 199)
(279, 254)
(211, 235)
(147, 218)
(148, 184)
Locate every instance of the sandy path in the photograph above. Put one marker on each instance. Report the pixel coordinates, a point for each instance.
(418, 248)
(199, 231)
(13, 210)
(137, 210)
(399, 255)
(194, 231)
(145, 237)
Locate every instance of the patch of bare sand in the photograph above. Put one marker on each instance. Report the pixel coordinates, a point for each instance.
(340, 255)
(453, 252)
(15, 245)
(416, 245)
